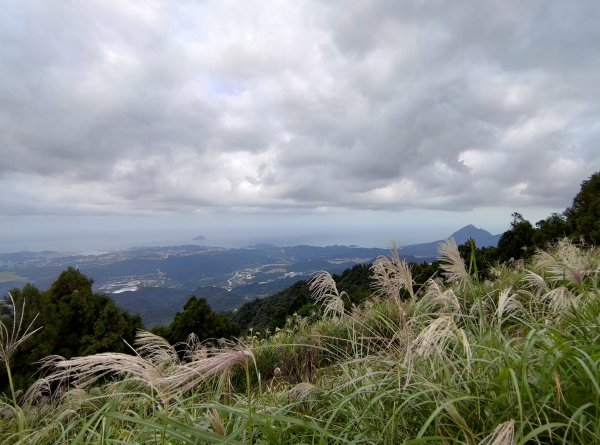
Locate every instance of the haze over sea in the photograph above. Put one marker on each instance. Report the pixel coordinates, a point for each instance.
(98, 233)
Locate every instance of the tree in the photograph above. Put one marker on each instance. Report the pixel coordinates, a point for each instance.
(583, 216)
(550, 230)
(517, 242)
(198, 317)
(88, 322)
(76, 321)
(272, 312)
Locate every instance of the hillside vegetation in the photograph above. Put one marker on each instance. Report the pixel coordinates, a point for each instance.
(272, 312)
(513, 359)
(75, 320)
(488, 346)
(580, 222)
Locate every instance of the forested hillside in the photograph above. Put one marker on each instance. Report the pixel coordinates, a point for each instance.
(272, 312)
(471, 349)
(74, 321)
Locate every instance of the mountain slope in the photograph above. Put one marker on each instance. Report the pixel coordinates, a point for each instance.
(482, 238)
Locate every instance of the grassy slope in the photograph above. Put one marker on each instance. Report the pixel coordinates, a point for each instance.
(513, 360)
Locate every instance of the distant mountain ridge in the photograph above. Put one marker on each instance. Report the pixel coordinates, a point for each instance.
(482, 238)
(155, 282)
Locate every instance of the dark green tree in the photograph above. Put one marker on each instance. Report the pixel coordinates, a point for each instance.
(517, 242)
(89, 323)
(75, 320)
(197, 317)
(272, 312)
(583, 216)
(550, 230)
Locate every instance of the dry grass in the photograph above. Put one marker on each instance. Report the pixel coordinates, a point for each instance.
(503, 434)
(452, 264)
(325, 292)
(444, 301)
(156, 364)
(507, 303)
(391, 275)
(561, 298)
(13, 336)
(566, 262)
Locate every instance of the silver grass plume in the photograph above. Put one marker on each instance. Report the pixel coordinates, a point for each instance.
(535, 281)
(218, 362)
(452, 264)
(503, 434)
(155, 349)
(507, 303)
(566, 262)
(155, 365)
(391, 275)
(325, 292)
(85, 371)
(301, 391)
(75, 398)
(436, 336)
(561, 298)
(455, 415)
(436, 340)
(216, 422)
(444, 300)
(194, 348)
(12, 336)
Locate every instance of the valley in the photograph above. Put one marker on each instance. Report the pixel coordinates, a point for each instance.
(155, 282)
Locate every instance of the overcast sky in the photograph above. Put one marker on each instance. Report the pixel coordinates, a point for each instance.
(362, 121)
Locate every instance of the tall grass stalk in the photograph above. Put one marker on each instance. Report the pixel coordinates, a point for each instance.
(11, 337)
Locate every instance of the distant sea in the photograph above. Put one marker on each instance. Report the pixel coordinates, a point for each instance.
(98, 246)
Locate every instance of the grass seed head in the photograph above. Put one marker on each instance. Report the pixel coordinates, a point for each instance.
(13, 335)
(452, 264)
(216, 422)
(325, 292)
(561, 298)
(155, 349)
(566, 262)
(443, 300)
(507, 303)
(503, 434)
(535, 281)
(434, 337)
(155, 365)
(301, 391)
(391, 275)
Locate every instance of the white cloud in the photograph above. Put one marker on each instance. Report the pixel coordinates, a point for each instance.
(181, 107)
(534, 129)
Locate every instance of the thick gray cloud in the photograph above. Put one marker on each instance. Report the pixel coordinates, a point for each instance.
(114, 107)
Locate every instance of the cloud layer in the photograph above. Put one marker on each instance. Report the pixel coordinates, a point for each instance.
(113, 107)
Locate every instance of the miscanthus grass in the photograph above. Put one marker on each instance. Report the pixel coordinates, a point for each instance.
(511, 360)
(14, 331)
